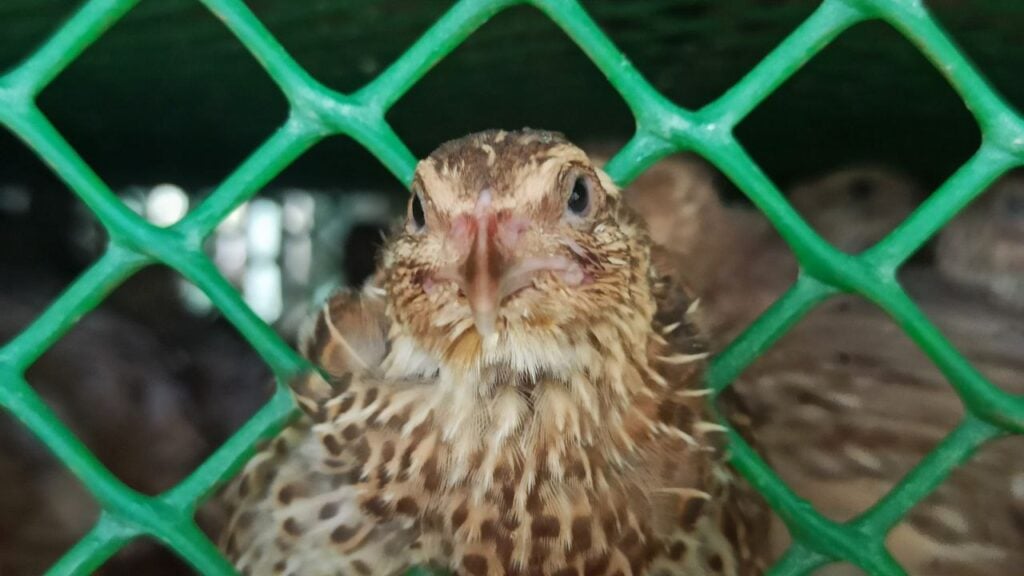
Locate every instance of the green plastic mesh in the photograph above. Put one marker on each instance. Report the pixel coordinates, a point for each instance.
(662, 128)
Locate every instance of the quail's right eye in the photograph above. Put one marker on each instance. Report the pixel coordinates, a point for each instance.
(418, 218)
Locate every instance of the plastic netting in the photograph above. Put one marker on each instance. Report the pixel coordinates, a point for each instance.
(662, 128)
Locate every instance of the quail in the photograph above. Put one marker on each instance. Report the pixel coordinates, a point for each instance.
(983, 247)
(517, 390)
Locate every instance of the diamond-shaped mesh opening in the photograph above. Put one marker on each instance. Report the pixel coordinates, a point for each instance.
(126, 396)
(214, 379)
(472, 73)
(154, 97)
(864, 99)
(662, 128)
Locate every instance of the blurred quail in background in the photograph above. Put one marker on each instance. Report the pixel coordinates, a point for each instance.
(845, 404)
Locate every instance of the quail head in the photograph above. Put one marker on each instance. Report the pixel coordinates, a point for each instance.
(855, 207)
(983, 248)
(518, 390)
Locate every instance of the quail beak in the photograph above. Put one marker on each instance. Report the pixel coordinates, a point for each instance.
(482, 274)
(491, 270)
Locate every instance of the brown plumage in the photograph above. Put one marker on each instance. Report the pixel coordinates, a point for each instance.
(518, 390)
(845, 404)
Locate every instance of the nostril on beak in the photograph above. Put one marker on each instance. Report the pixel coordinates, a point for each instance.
(483, 202)
(488, 271)
(510, 230)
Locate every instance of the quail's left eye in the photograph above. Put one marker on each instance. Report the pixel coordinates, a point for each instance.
(579, 199)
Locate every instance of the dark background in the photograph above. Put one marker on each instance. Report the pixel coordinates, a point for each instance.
(169, 94)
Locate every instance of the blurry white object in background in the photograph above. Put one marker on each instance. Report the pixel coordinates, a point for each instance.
(983, 247)
(166, 204)
(284, 250)
(262, 290)
(261, 284)
(263, 233)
